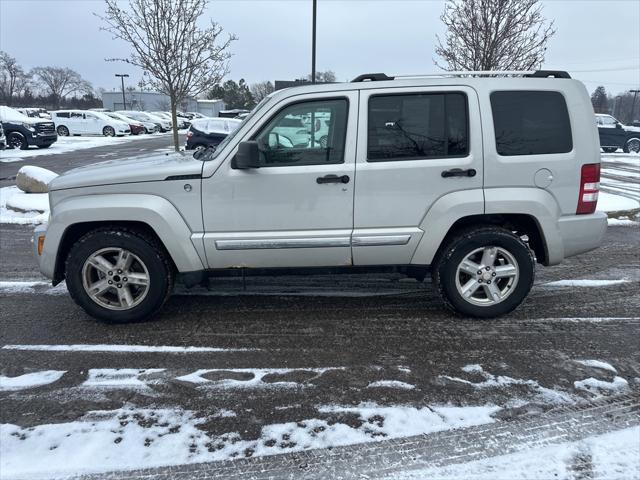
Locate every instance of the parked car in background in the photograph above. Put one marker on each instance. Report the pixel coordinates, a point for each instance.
(135, 126)
(195, 115)
(23, 132)
(85, 122)
(34, 112)
(163, 124)
(233, 113)
(209, 132)
(3, 138)
(614, 135)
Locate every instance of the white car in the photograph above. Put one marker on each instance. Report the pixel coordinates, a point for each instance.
(149, 127)
(163, 124)
(84, 122)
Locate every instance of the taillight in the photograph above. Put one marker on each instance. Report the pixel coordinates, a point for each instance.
(589, 187)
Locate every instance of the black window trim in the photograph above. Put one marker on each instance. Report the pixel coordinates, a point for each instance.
(299, 102)
(430, 92)
(549, 90)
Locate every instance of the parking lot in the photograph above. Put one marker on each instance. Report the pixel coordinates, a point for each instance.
(252, 367)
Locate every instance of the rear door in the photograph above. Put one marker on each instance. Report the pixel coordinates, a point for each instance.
(415, 145)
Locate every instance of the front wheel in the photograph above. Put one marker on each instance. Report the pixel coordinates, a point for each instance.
(108, 131)
(609, 149)
(16, 140)
(484, 272)
(62, 131)
(632, 145)
(118, 275)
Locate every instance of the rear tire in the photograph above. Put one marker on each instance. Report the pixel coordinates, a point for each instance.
(609, 149)
(502, 281)
(632, 145)
(97, 258)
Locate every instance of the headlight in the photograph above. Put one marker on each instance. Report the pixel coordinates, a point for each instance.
(29, 127)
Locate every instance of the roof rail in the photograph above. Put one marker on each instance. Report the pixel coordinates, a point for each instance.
(374, 77)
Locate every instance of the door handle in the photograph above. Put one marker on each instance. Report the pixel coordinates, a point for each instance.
(333, 179)
(458, 172)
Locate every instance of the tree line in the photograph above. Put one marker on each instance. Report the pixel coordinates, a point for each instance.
(624, 106)
(49, 87)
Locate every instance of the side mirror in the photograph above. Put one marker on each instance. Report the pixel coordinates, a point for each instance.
(618, 125)
(248, 156)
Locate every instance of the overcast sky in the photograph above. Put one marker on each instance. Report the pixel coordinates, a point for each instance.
(597, 41)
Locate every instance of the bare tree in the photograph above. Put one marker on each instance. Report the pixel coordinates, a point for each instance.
(13, 80)
(181, 60)
(493, 35)
(260, 90)
(327, 76)
(60, 82)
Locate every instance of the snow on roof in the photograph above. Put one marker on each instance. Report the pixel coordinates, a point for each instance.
(216, 125)
(8, 114)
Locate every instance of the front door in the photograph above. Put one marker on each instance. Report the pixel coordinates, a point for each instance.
(611, 132)
(415, 146)
(297, 208)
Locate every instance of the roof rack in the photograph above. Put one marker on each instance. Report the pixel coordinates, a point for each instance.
(376, 77)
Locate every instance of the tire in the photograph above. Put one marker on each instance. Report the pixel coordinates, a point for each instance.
(62, 131)
(609, 149)
(16, 140)
(632, 145)
(108, 131)
(147, 259)
(450, 279)
(323, 141)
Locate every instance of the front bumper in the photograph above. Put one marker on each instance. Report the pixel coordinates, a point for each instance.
(39, 139)
(46, 258)
(582, 233)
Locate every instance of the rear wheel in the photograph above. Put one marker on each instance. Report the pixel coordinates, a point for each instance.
(118, 275)
(63, 131)
(108, 131)
(484, 272)
(632, 145)
(16, 140)
(609, 149)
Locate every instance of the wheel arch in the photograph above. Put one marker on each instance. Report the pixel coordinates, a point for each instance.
(150, 214)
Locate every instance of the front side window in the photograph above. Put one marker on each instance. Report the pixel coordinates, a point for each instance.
(306, 133)
(531, 123)
(417, 126)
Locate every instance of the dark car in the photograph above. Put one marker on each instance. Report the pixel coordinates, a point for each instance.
(209, 132)
(3, 139)
(615, 135)
(23, 132)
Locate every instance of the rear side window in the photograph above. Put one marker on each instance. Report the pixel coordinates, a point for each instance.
(62, 114)
(531, 123)
(417, 126)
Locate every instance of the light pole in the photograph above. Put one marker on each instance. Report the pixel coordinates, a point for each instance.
(313, 43)
(124, 101)
(633, 105)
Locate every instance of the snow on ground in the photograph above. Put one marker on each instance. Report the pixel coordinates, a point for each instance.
(613, 203)
(36, 206)
(391, 384)
(32, 287)
(252, 377)
(585, 283)
(599, 387)
(69, 144)
(612, 456)
(123, 348)
(489, 380)
(30, 380)
(129, 438)
(120, 377)
(598, 364)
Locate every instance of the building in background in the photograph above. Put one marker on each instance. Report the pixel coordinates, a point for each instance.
(154, 101)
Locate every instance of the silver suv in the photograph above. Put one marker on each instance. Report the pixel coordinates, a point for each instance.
(473, 179)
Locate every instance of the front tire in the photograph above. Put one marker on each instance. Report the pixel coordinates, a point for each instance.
(16, 140)
(484, 272)
(62, 131)
(109, 131)
(119, 275)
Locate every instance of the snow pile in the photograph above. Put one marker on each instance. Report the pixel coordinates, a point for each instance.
(585, 283)
(598, 364)
(254, 377)
(32, 179)
(23, 208)
(611, 456)
(130, 438)
(602, 387)
(30, 380)
(120, 377)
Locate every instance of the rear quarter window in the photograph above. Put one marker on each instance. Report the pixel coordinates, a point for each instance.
(531, 123)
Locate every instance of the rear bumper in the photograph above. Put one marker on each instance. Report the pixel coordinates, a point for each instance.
(582, 233)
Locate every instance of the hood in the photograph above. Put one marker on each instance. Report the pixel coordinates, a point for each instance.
(131, 170)
(631, 128)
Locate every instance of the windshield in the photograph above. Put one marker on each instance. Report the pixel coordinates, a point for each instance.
(211, 154)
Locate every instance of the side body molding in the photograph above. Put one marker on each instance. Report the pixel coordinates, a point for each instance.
(441, 216)
(152, 210)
